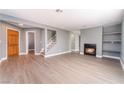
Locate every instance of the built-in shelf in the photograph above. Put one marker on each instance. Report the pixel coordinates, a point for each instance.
(111, 51)
(112, 41)
(112, 33)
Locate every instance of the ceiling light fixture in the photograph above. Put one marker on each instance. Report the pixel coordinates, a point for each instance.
(59, 10)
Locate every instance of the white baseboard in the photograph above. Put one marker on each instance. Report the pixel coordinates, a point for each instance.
(82, 53)
(26, 53)
(2, 59)
(98, 56)
(111, 57)
(37, 54)
(122, 63)
(23, 53)
(31, 49)
(75, 50)
(57, 54)
(72, 50)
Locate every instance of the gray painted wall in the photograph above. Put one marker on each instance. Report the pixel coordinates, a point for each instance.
(63, 41)
(76, 42)
(40, 42)
(62, 45)
(22, 41)
(0, 41)
(113, 28)
(122, 44)
(3, 45)
(39, 39)
(42, 39)
(93, 36)
(72, 41)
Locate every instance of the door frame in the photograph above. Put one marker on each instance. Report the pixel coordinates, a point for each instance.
(7, 39)
(27, 41)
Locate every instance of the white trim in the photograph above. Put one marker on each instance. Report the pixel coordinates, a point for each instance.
(98, 56)
(72, 49)
(22, 53)
(111, 57)
(82, 53)
(2, 59)
(122, 64)
(45, 40)
(7, 40)
(28, 41)
(37, 54)
(76, 50)
(31, 49)
(50, 55)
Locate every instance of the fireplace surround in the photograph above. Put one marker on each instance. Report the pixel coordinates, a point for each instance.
(90, 49)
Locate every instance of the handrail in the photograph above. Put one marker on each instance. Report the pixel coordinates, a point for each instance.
(51, 41)
(53, 37)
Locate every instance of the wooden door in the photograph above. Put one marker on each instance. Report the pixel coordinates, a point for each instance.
(13, 42)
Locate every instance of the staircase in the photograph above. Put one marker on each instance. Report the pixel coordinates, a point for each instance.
(50, 44)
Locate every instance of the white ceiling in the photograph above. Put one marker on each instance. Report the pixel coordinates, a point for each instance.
(69, 19)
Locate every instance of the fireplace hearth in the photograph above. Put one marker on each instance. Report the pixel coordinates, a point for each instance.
(90, 49)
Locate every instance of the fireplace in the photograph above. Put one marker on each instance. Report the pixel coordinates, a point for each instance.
(90, 49)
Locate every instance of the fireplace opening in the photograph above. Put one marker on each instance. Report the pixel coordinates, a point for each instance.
(90, 49)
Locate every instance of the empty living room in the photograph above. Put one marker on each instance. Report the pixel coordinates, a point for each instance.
(61, 46)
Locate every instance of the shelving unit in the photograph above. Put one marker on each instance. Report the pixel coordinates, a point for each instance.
(111, 51)
(112, 33)
(112, 41)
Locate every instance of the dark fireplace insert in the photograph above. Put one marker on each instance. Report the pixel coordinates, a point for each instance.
(90, 49)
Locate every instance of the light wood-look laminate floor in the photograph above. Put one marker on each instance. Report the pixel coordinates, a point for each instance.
(71, 68)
